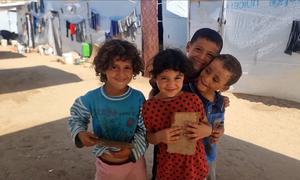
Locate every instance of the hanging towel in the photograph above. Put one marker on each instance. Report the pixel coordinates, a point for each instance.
(72, 30)
(42, 6)
(80, 32)
(95, 20)
(31, 6)
(293, 44)
(35, 24)
(67, 28)
(35, 7)
(114, 28)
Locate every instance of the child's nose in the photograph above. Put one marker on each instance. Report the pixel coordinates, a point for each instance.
(201, 54)
(206, 79)
(171, 83)
(121, 71)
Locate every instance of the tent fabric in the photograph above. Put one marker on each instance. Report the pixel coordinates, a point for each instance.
(7, 6)
(257, 33)
(54, 33)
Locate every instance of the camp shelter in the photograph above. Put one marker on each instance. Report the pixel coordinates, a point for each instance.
(8, 14)
(96, 20)
(257, 32)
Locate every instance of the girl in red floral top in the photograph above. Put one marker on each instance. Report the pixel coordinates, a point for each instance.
(169, 68)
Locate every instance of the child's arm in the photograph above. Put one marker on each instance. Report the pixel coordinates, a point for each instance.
(226, 101)
(166, 136)
(87, 138)
(139, 140)
(218, 132)
(78, 125)
(198, 131)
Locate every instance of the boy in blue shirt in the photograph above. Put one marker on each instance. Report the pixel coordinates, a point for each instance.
(223, 71)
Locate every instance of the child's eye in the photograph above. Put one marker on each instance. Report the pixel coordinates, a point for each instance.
(199, 49)
(179, 77)
(128, 68)
(207, 70)
(216, 80)
(210, 56)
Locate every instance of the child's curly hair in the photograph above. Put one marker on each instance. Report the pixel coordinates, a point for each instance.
(117, 49)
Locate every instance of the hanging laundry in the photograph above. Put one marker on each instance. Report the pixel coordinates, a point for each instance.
(42, 25)
(95, 20)
(72, 30)
(293, 44)
(114, 28)
(39, 24)
(42, 6)
(107, 36)
(76, 29)
(80, 32)
(35, 6)
(29, 7)
(67, 28)
(35, 24)
(128, 26)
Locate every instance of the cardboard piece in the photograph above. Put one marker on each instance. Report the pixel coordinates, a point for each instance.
(184, 145)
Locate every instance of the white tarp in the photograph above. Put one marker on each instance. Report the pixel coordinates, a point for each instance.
(175, 23)
(180, 8)
(257, 32)
(10, 5)
(204, 14)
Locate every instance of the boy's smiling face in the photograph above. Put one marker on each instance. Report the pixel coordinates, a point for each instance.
(201, 52)
(214, 77)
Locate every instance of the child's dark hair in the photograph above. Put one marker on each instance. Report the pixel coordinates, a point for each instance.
(173, 59)
(117, 49)
(209, 34)
(231, 64)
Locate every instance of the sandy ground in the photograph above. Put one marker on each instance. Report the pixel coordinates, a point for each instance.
(261, 140)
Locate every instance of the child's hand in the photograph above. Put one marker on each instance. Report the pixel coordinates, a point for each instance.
(88, 138)
(198, 131)
(226, 101)
(168, 135)
(217, 133)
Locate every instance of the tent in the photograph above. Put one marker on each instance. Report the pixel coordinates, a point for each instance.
(255, 31)
(83, 12)
(9, 15)
(48, 22)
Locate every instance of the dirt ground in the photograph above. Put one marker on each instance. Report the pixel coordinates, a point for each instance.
(261, 139)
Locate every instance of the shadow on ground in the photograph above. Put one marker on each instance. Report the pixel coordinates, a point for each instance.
(248, 161)
(22, 79)
(46, 152)
(268, 100)
(10, 55)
